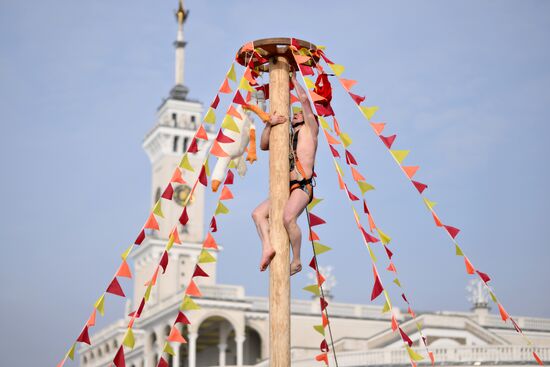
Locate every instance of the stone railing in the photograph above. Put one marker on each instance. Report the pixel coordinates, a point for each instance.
(221, 291)
(527, 323)
(471, 355)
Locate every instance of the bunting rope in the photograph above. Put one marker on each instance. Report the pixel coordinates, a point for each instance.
(378, 288)
(409, 171)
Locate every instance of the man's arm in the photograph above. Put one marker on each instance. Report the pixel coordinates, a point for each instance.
(274, 120)
(307, 111)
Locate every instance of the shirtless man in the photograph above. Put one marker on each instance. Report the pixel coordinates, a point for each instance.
(303, 140)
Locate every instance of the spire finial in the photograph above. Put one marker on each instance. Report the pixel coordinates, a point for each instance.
(180, 14)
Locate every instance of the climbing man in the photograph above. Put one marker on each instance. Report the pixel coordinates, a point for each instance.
(303, 146)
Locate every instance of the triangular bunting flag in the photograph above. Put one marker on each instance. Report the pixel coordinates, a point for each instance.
(356, 175)
(182, 319)
(210, 117)
(503, 314)
(469, 267)
(337, 69)
(151, 223)
(399, 155)
(175, 336)
(209, 242)
(185, 164)
(168, 192)
(394, 325)
(347, 83)
(391, 267)
(115, 288)
(184, 218)
(157, 209)
(364, 187)
(164, 261)
(368, 112)
(410, 170)
(231, 73)
(213, 225)
(100, 304)
(188, 304)
(119, 360)
(91, 319)
(168, 349)
(453, 232)
(483, 276)
(221, 209)
(129, 340)
(216, 102)
(388, 141)
(217, 151)
(346, 140)
(222, 138)
(377, 288)
(313, 236)
(420, 186)
(174, 235)
(70, 353)
(384, 237)
(334, 152)
(84, 337)
(193, 290)
(199, 272)
(203, 179)
(225, 88)
(163, 363)
(331, 140)
(315, 220)
(226, 194)
(378, 127)
(350, 159)
(320, 329)
(201, 133)
(238, 99)
(458, 250)
(320, 248)
(229, 178)
(356, 98)
(176, 176)
(206, 257)
(124, 270)
(313, 203)
(414, 356)
(314, 288)
(230, 124)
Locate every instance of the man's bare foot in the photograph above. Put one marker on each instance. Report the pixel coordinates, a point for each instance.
(295, 267)
(267, 256)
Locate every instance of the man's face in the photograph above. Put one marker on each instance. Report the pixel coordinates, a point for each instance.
(297, 118)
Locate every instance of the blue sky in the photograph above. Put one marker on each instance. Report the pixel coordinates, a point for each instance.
(463, 84)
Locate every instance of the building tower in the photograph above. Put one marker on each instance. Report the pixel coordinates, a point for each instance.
(177, 119)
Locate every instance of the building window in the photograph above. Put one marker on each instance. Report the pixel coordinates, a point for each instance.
(175, 119)
(185, 143)
(175, 145)
(157, 194)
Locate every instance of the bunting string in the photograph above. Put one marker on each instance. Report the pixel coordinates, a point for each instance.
(410, 171)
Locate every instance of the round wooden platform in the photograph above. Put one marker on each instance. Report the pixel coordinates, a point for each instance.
(268, 47)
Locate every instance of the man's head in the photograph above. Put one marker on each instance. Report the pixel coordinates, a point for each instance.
(297, 117)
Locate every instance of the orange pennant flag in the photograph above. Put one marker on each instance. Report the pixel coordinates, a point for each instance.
(209, 242)
(124, 270)
(356, 175)
(436, 220)
(175, 336)
(233, 112)
(293, 99)
(322, 357)
(394, 325)
(341, 181)
(315, 97)
(331, 140)
(313, 236)
(176, 176)
(325, 319)
(372, 226)
(348, 83)
(248, 76)
(226, 194)
(193, 290)
(378, 127)
(153, 280)
(218, 151)
(301, 59)
(391, 267)
(248, 47)
(410, 170)
(469, 267)
(91, 319)
(225, 88)
(503, 314)
(175, 235)
(201, 133)
(320, 279)
(151, 223)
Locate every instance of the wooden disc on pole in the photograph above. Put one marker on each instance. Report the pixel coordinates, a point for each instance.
(276, 53)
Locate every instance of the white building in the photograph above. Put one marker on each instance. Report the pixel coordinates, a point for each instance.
(231, 328)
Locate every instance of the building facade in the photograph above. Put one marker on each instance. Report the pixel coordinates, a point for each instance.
(231, 328)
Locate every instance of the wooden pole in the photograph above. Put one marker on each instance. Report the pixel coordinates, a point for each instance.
(279, 273)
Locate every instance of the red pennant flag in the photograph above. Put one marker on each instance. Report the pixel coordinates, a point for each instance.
(214, 104)
(334, 151)
(137, 313)
(151, 223)
(164, 261)
(315, 220)
(184, 218)
(351, 196)
(503, 314)
(377, 288)
(347, 83)
(369, 238)
(404, 298)
(378, 127)
(115, 288)
(324, 111)
(201, 133)
(324, 346)
(238, 99)
(324, 303)
(537, 358)
(162, 363)
(216, 151)
(84, 337)
(394, 325)
(213, 225)
(140, 237)
(358, 99)
(202, 176)
(391, 267)
(312, 264)
(225, 88)
(322, 53)
(388, 252)
(226, 194)
(469, 267)
(119, 360)
(224, 138)
(124, 270)
(483, 276)
(229, 178)
(419, 186)
(193, 290)
(91, 319)
(405, 337)
(168, 192)
(199, 272)
(176, 176)
(350, 159)
(182, 318)
(175, 336)
(365, 207)
(306, 70)
(516, 326)
(452, 230)
(209, 242)
(194, 147)
(388, 141)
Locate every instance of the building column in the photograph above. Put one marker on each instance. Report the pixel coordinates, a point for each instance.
(222, 346)
(148, 352)
(221, 358)
(176, 357)
(239, 340)
(192, 339)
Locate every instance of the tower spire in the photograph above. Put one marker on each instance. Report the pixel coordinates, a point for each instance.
(179, 91)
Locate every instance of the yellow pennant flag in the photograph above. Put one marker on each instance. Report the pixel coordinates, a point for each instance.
(493, 297)
(313, 203)
(346, 140)
(232, 164)
(309, 83)
(147, 294)
(372, 256)
(320, 329)
(399, 155)
(364, 187)
(383, 237)
(339, 169)
(357, 220)
(314, 288)
(100, 304)
(386, 295)
(229, 124)
(129, 340)
(324, 124)
(397, 282)
(386, 307)
(221, 209)
(70, 353)
(458, 250)
(245, 85)
(414, 356)
(320, 47)
(320, 248)
(188, 304)
(430, 204)
(231, 73)
(210, 117)
(125, 254)
(168, 349)
(337, 69)
(207, 167)
(206, 257)
(169, 244)
(368, 112)
(157, 209)
(185, 164)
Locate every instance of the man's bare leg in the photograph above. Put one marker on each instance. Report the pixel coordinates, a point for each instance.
(260, 215)
(295, 205)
